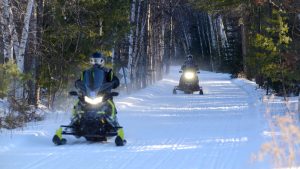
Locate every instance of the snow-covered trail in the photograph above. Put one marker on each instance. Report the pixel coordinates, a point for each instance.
(219, 130)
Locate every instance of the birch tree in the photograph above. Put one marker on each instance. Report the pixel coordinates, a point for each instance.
(24, 36)
(10, 36)
(131, 34)
(6, 20)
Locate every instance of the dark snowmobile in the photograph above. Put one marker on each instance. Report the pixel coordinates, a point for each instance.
(96, 118)
(189, 81)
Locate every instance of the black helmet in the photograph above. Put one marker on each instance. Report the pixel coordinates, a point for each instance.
(97, 59)
(189, 57)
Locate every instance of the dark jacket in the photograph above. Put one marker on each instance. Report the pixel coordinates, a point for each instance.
(189, 64)
(109, 75)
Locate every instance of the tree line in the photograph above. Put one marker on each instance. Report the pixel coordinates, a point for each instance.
(268, 39)
(44, 45)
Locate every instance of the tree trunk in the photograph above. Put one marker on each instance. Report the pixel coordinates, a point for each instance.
(6, 26)
(134, 66)
(40, 14)
(208, 31)
(161, 40)
(200, 39)
(150, 44)
(244, 52)
(216, 28)
(30, 57)
(130, 50)
(170, 45)
(203, 27)
(186, 36)
(24, 38)
(144, 65)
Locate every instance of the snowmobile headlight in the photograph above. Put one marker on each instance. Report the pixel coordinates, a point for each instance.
(189, 75)
(93, 101)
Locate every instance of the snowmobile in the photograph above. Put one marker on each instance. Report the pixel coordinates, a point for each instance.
(92, 120)
(188, 82)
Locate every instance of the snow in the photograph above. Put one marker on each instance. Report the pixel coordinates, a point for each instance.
(221, 129)
(3, 107)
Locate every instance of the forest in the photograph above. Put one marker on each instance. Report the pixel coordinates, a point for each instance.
(45, 45)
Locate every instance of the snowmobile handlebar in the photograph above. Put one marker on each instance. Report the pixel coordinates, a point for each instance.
(181, 71)
(107, 95)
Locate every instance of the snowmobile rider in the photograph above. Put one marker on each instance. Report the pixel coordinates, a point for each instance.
(97, 61)
(189, 63)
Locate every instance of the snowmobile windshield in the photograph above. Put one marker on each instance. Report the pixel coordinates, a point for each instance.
(190, 68)
(94, 79)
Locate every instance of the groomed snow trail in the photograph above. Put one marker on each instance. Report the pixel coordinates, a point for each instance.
(219, 130)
